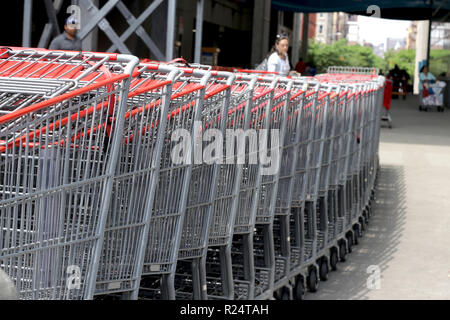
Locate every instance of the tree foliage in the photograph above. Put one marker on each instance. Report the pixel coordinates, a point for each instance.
(340, 53)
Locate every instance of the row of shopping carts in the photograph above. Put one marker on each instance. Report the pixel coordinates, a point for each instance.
(148, 180)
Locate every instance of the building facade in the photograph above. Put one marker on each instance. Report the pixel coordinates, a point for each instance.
(331, 26)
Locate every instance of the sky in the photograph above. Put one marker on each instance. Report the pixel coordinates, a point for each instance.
(377, 30)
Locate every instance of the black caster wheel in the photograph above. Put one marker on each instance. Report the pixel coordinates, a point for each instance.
(324, 270)
(312, 281)
(350, 243)
(420, 108)
(299, 290)
(342, 251)
(285, 294)
(333, 259)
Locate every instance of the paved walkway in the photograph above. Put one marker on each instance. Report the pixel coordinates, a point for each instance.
(408, 237)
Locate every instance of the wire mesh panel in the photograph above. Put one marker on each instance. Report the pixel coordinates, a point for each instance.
(57, 163)
(203, 180)
(58, 154)
(283, 211)
(243, 250)
(326, 223)
(304, 220)
(338, 158)
(314, 166)
(219, 273)
(352, 70)
(202, 189)
(135, 179)
(270, 233)
(166, 221)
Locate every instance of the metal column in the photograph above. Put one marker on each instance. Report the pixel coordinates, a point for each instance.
(51, 12)
(296, 39)
(199, 30)
(305, 28)
(422, 42)
(260, 32)
(27, 16)
(170, 29)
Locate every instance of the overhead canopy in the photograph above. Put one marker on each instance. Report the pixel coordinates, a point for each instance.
(436, 10)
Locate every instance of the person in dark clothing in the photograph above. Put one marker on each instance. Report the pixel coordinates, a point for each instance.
(398, 82)
(67, 40)
(300, 67)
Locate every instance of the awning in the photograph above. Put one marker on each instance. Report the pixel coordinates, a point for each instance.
(436, 10)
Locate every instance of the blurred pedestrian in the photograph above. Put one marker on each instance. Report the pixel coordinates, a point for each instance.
(300, 66)
(278, 60)
(67, 40)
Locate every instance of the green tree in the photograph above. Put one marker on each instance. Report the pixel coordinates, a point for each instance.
(340, 53)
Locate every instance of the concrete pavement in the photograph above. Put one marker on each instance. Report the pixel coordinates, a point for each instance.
(408, 237)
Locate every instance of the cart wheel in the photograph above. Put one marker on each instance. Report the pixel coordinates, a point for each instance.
(299, 290)
(285, 294)
(404, 97)
(420, 108)
(312, 280)
(390, 125)
(342, 251)
(334, 259)
(324, 270)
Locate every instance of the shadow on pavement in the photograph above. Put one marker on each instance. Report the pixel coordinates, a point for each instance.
(378, 244)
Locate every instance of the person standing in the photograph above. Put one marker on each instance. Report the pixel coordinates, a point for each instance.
(278, 60)
(67, 40)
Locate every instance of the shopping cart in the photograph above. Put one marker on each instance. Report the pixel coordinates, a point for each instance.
(168, 213)
(191, 265)
(133, 193)
(219, 276)
(287, 236)
(59, 152)
(431, 96)
(252, 252)
(105, 194)
(263, 238)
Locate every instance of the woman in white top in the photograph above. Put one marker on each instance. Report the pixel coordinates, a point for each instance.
(278, 61)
